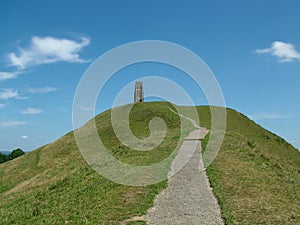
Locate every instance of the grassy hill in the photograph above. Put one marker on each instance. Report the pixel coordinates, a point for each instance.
(256, 176)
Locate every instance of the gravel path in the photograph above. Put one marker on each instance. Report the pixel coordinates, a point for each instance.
(188, 199)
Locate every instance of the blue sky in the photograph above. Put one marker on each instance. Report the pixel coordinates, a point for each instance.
(251, 46)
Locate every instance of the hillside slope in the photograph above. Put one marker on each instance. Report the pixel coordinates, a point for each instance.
(54, 185)
(255, 176)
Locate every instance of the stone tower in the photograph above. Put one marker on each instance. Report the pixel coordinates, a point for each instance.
(138, 92)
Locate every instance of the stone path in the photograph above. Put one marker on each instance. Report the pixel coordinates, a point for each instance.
(188, 199)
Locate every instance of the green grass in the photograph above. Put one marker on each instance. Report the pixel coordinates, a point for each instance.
(255, 176)
(54, 185)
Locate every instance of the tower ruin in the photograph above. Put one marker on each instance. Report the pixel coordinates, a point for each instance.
(138, 92)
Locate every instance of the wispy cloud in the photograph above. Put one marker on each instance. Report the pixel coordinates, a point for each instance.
(12, 123)
(24, 137)
(7, 75)
(2, 105)
(285, 52)
(10, 93)
(42, 90)
(86, 108)
(30, 110)
(271, 116)
(45, 50)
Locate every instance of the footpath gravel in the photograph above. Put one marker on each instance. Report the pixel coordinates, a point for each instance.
(188, 199)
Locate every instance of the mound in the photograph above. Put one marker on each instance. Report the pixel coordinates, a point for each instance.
(256, 175)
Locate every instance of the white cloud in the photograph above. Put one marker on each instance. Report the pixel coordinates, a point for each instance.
(285, 52)
(270, 116)
(86, 108)
(10, 93)
(44, 50)
(12, 123)
(7, 76)
(42, 90)
(2, 105)
(24, 137)
(30, 110)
